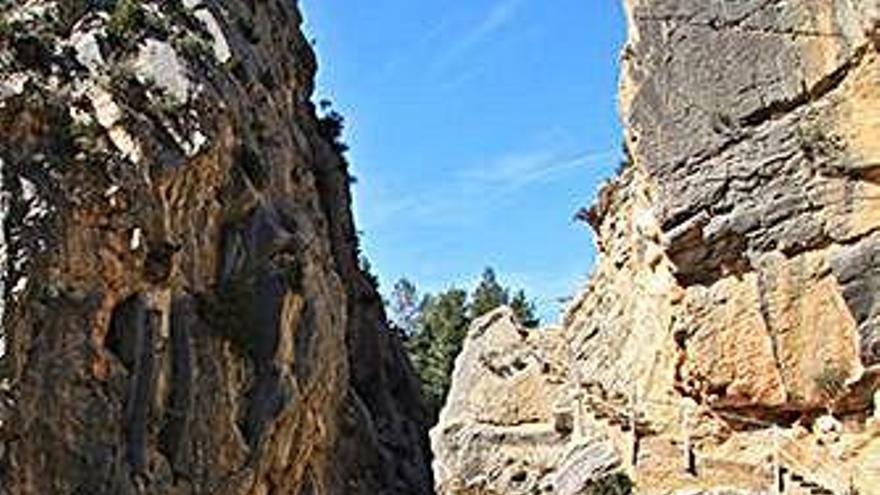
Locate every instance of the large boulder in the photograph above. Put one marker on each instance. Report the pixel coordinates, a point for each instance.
(499, 430)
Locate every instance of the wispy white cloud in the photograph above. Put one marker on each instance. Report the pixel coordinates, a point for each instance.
(412, 52)
(438, 51)
(494, 20)
(517, 170)
(478, 189)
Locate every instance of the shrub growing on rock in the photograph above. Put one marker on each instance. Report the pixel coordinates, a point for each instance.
(125, 19)
(831, 382)
(613, 484)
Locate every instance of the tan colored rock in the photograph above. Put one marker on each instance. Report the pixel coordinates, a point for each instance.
(514, 382)
(499, 431)
(764, 337)
(828, 429)
(739, 255)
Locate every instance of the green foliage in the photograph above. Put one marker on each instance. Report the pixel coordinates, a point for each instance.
(404, 307)
(6, 29)
(524, 309)
(193, 47)
(83, 133)
(614, 484)
(434, 327)
(178, 11)
(831, 382)
(331, 125)
(433, 347)
(366, 269)
(126, 19)
(488, 295)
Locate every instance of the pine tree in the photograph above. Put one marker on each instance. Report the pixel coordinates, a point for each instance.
(404, 307)
(442, 328)
(524, 309)
(488, 295)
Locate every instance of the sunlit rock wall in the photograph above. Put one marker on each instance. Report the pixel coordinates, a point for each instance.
(183, 309)
(734, 298)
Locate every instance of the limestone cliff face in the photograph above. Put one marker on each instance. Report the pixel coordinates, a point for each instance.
(734, 301)
(757, 125)
(182, 306)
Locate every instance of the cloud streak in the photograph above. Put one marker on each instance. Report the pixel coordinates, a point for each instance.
(498, 17)
(439, 49)
(477, 189)
(412, 52)
(515, 171)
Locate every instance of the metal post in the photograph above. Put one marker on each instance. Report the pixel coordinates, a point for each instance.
(633, 414)
(689, 460)
(778, 486)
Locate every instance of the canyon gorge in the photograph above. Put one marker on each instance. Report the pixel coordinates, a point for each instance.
(184, 312)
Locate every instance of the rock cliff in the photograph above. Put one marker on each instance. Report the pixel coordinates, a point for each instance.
(734, 301)
(182, 307)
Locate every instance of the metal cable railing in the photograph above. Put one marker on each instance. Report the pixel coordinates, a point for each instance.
(821, 474)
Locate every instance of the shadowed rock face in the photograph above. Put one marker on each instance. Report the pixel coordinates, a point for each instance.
(183, 310)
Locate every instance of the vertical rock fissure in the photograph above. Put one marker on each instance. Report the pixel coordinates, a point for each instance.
(175, 435)
(131, 339)
(765, 291)
(4, 209)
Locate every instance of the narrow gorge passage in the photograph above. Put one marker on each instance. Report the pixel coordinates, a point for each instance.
(217, 281)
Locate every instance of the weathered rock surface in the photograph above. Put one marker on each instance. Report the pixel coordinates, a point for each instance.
(182, 307)
(503, 429)
(756, 126)
(733, 302)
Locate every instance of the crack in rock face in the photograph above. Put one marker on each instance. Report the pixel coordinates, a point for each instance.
(4, 211)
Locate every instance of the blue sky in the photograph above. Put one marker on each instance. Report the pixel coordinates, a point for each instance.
(477, 128)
